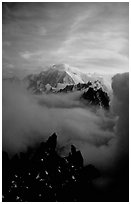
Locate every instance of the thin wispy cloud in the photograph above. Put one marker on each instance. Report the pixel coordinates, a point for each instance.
(93, 36)
(29, 55)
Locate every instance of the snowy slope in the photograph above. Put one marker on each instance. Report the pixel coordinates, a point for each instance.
(73, 72)
(58, 76)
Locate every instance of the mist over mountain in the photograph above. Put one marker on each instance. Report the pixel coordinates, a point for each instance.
(65, 101)
(59, 76)
(99, 134)
(62, 78)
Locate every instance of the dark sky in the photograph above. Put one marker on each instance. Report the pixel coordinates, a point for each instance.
(91, 36)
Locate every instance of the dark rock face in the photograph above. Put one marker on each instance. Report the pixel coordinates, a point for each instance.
(76, 87)
(41, 174)
(97, 97)
(94, 92)
(83, 86)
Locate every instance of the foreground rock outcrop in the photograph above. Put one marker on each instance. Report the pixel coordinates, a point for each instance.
(41, 174)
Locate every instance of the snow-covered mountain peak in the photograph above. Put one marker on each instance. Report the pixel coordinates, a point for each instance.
(58, 76)
(73, 72)
(64, 67)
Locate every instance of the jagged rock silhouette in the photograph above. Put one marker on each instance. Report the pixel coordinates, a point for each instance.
(41, 174)
(97, 97)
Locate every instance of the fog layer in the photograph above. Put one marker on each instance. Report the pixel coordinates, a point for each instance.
(101, 136)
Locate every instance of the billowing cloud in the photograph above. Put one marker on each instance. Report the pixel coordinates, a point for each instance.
(100, 136)
(120, 106)
(43, 115)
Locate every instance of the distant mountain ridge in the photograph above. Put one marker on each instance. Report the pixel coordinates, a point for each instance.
(55, 76)
(62, 78)
(58, 77)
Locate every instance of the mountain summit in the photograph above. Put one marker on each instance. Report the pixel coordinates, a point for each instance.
(56, 76)
(76, 75)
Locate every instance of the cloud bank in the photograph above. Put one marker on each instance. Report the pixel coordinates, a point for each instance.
(120, 106)
(101, 136)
